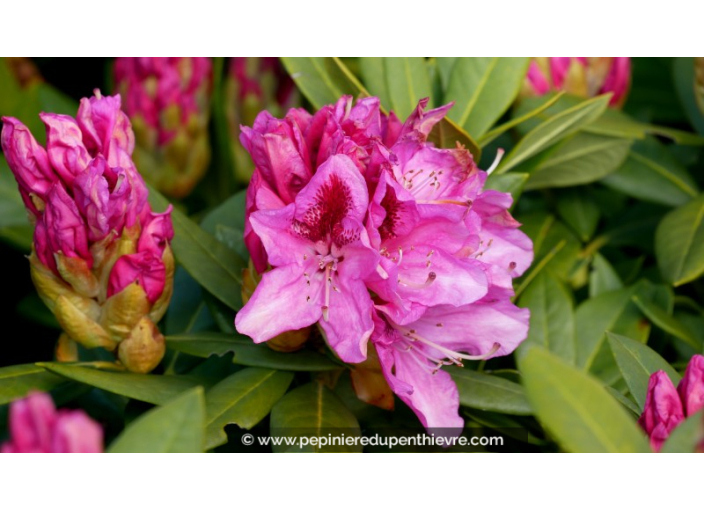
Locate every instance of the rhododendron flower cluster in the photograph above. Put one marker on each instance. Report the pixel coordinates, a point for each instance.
(581, 76)
(168, 101)
(667, 407)
(101, 259)
(37, 427)
(389, 244)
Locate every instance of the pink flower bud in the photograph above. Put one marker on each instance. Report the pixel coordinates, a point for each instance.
(157, 233)
(67, 154)
(141, 267)
(36, 427)
(691, 387)
(65, 227)
(663, 409)
(582, 76)
(28, 161)
(106, 129)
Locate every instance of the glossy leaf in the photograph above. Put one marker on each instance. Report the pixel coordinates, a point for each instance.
(576, 408)
(217, 268)
(637, 362)
(665, 321)
(551, 316)
(320, 79)
(489, 392)
(582, 159)
(652, 173)
(313, 411)
(407, 82)
(248, 353)
(554, 129)
(580, 212)
(155, 389)
(18, 380)
(175, 427)
(507, 183)
(611, 311)
(244, 399)
(603, 277)
(483, 88)
(679, 243)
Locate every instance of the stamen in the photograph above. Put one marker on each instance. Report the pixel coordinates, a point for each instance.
(455, 357)
(497, 160)
(428, 281)
(328, 282)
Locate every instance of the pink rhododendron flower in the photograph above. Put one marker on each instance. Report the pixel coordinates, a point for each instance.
(37, 427)
(378, 236)
(667, 407)
(101, 258)
(581, 76)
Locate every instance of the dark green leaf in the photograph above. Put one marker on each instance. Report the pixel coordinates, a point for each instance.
(244, 398)
(248, 353)
(313, 411)
(155, 389)
(553, 130)
(637, 362)
(603, 277)
(579, 211)
(679, 243)
(18, 380)
(665, 321)
(551, 316)
(489, 393)
(582, 159)
(176, 427)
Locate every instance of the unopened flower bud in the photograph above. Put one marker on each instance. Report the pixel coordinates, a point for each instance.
(168, 100)
(101, 259)
(580, 76)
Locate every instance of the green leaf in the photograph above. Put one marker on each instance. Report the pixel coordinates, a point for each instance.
(576, 408)
(679, 243)
(407, 82)
(323, 80)
(611, 311)
(447, 134)
(217, 268)
(187, 311)
(18, 380)
(489, 393)
(603, 277)
(176, 427)
(687, 436)
(665, 321)
(579, 211)
(445, 65)
(13, 216)
(483, 88)
(637, 362)
(582, 159)
(627, 402)
(155, 389)
(244, 398)
(652, 173)
(372, 70)
(313, 411)
(226, 223)
(554, 129)
(551, 316)
(507, 183)
(248, 353)
(545, 102)
(684, 76)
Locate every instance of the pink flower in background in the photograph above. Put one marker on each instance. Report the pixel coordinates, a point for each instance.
(376, 235)
(667, 407)
(168, 101)
(95, 234)
(581, 76)
(37, 427)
